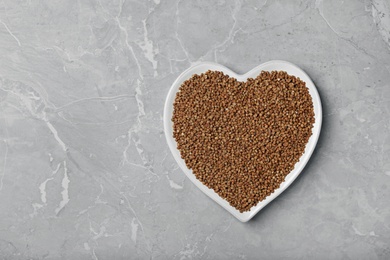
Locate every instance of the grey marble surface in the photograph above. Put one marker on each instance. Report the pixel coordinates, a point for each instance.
(85, 171)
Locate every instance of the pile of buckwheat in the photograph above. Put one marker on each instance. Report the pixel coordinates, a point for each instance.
(241, 139)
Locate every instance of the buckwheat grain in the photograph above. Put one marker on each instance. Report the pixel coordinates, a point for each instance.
(241, 139)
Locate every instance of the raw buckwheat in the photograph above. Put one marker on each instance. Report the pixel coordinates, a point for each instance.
(241, 139)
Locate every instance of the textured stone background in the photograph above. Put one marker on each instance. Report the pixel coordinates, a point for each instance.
(85, 172)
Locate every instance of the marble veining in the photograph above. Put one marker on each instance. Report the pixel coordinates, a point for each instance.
(85, 171)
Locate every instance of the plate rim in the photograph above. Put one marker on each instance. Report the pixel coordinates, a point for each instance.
(313, 140)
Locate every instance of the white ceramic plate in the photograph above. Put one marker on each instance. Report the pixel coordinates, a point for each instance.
(268, 66)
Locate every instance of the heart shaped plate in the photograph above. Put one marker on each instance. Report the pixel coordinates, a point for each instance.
(268, 66)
